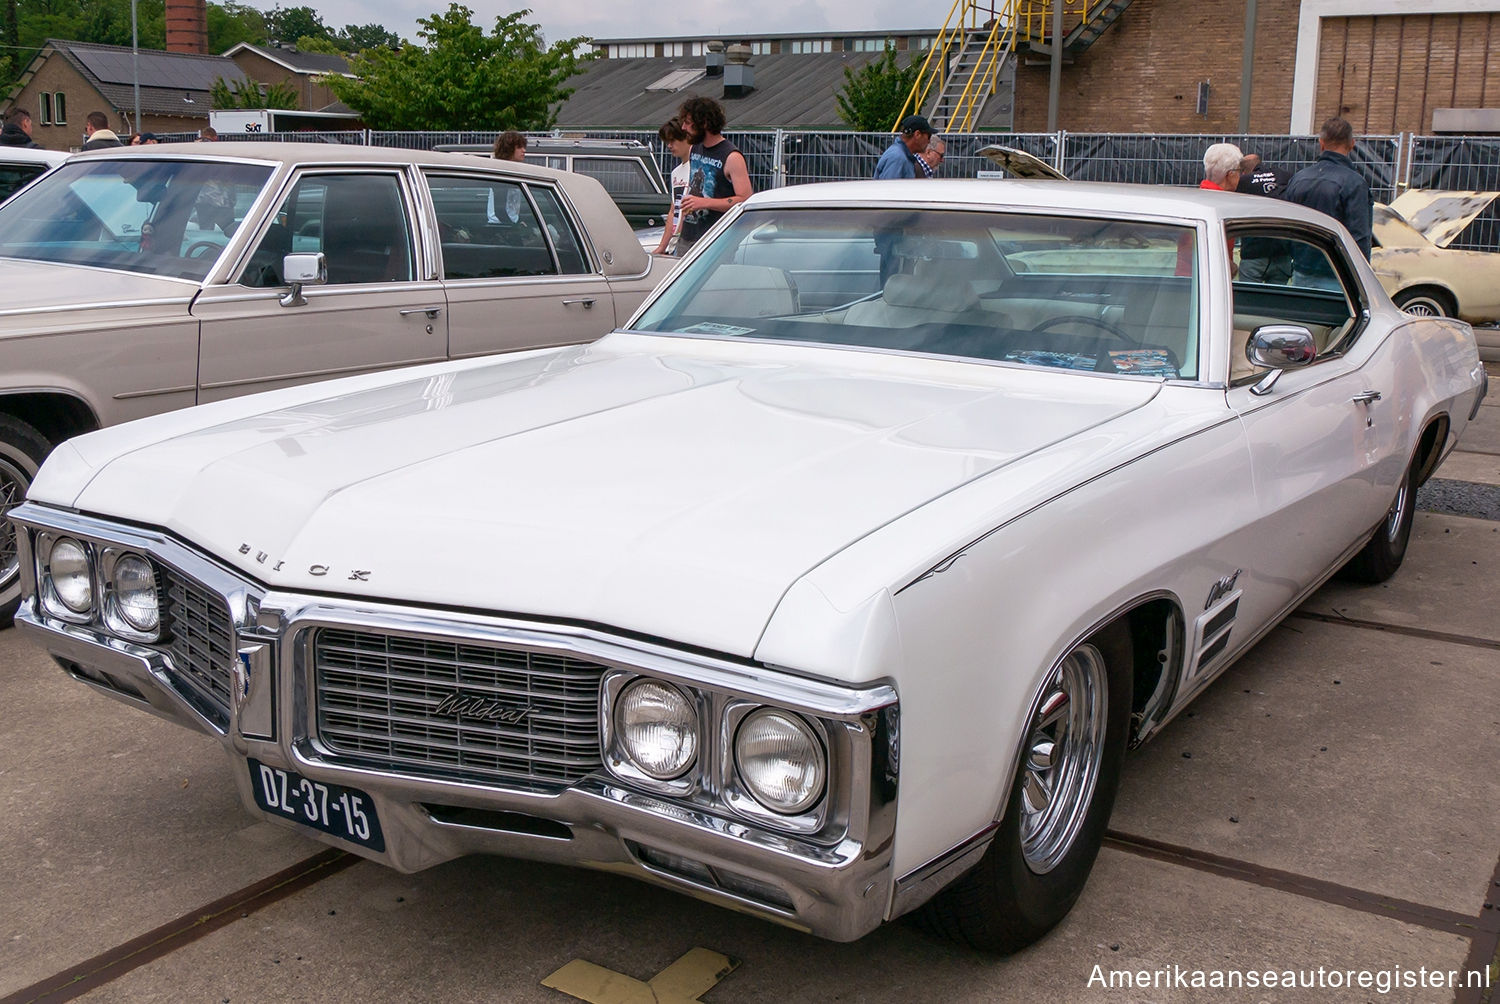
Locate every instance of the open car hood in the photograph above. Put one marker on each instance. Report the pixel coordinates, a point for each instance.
(1020, 164)
(1438, 216)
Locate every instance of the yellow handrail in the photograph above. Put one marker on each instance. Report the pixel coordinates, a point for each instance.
(920, 87)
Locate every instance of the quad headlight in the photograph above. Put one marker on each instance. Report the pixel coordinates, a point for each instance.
(67, 579)
(657, 726)
(133, 600)
(780, 760)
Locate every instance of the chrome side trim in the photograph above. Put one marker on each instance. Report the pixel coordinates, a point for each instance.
(920, 884)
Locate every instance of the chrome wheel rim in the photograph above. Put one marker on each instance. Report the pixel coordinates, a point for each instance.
(1397, 515)
(1063, 752)
(1421, 306)
(13, 484)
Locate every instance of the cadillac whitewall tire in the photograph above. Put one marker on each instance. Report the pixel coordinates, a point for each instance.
(22, 450)
(1059, 805)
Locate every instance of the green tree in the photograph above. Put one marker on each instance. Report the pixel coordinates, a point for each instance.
(231, 23)
(323, 46)
(245, 93)
(872, 98)
(459, 77)
(287, 24)
(359, 37)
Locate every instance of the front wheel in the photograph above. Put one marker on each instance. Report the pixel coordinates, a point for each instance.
(1386, 549)
(22, 450)
(1060, 801)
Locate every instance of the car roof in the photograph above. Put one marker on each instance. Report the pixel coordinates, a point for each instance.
(29, 155)
(293, 154)
(1077, 197)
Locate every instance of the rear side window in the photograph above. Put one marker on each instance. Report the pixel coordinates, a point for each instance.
(618, 175)
(13, 176)
(489, 229)
(561, 232)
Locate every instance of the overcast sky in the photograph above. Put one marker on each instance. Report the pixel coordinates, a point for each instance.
(635, 18)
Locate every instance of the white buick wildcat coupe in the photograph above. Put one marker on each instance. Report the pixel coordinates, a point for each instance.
(833, 586)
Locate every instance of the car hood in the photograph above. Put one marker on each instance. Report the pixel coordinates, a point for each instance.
(669, 486)
(1020, 164)
(50, 285)
(1438, 216)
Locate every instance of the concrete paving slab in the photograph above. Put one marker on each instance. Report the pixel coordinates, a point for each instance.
(1481, 468)
(1483, 434)
(1353, 756)
(1448, 582)
(115, 821)
(489, 929)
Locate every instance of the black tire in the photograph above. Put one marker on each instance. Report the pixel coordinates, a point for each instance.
(1005, 903)
(1386, 549)
(1426, 301)
(22, 450)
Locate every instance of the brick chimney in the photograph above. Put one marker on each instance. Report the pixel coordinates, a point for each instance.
(187, 26)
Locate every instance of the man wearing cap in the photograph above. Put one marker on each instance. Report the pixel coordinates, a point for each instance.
(900, 159)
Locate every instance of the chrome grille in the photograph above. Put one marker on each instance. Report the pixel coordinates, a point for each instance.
(200, 639)
(378, 696)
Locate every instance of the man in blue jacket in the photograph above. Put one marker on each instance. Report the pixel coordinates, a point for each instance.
(900, 158)
(1330, 185)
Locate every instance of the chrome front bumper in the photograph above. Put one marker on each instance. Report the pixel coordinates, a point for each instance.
(837, 883)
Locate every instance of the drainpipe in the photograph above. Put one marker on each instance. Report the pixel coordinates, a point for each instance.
(1054, 84)
(1247, 68)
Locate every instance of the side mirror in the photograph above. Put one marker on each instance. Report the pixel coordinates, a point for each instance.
(1279, 347)
(300, 270)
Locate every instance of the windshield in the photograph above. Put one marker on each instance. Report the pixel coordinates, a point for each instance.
(168, 218)
(1110, 296)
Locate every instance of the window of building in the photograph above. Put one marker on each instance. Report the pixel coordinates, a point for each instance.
(805, 45)
(44, 108)
(634, 50)
(59, 108)
(673, 49)
(925, 42)
(873, 44)
(696, 49)
(760, 48)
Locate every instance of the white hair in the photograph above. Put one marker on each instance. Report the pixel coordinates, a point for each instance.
(1219, 160)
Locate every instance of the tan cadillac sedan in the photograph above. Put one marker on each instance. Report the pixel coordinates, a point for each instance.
(142, 280)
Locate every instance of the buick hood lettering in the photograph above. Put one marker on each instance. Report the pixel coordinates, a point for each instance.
(484, 709)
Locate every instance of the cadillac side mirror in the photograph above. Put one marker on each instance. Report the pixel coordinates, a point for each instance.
(1279, 347)
(299, 270)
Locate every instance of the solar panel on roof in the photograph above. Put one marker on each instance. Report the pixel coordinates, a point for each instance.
(157, 69)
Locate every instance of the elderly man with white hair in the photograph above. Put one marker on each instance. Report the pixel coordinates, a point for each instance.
(1221, 165)
(1221, 162)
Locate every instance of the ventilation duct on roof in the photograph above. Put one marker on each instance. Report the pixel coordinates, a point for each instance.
(739, 75)
(713, 59)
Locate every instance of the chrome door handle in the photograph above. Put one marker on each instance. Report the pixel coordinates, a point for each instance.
(1365, 397)
(431, 312)
(587, 301)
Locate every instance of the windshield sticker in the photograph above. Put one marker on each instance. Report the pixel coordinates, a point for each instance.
(1144, 362)
(1056, 360)
(711, 328)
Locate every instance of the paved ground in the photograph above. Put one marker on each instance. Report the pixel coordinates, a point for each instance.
(1332, 802)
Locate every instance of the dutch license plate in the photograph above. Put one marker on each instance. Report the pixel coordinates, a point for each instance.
(346, 813)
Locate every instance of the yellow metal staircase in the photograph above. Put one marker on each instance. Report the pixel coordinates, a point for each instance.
(981, 37)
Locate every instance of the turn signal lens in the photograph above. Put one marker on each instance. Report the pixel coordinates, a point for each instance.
(658, 728)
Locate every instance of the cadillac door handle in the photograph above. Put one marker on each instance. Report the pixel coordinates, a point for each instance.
(587, 301)
(431, 312)
(1367, 398)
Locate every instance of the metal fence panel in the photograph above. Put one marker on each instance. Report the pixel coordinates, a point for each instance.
(1460, 163)
(1178, 159)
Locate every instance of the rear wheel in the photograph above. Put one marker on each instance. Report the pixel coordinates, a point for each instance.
(1060, 802)
(1386, 549)
(1426, 301)
(22, 450)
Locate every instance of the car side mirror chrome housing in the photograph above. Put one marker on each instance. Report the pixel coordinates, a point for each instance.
(300, 270)
(1279, 347)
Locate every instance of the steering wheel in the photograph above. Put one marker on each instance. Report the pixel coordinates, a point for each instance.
(1098, 322)
(199, 248)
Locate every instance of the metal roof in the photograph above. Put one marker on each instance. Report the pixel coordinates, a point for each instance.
(172, 83)
(296, 60)
(792, 91)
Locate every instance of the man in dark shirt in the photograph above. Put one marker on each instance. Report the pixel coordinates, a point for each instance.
(1331, 185)
(1263, 259)
(17, 130)
(719, 175)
